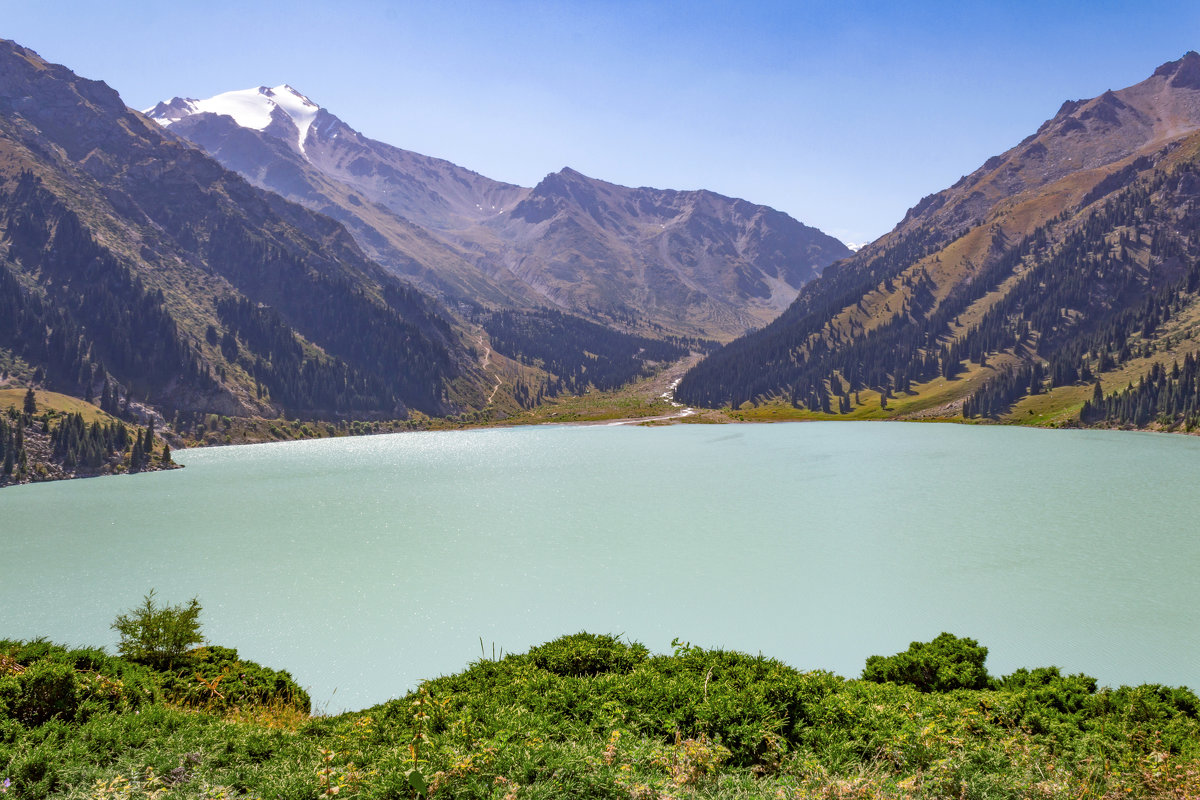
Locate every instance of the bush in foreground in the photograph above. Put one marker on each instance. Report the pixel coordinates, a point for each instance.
(159, 635)
(943, 665)
(587, 654)
(216, 679)
(592, 717)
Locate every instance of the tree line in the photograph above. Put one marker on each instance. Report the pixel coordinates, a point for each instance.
(88, 319)
(1169, 397)
(77, 312)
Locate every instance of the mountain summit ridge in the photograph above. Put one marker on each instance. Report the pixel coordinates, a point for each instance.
(685, 262)
(1083, 134)
(257, 109)
(1184, 71)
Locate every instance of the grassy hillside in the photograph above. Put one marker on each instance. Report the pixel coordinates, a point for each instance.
(55, 402)
(590, 716)
(1108, 294)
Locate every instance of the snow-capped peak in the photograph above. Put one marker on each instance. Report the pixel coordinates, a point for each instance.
(250, 108)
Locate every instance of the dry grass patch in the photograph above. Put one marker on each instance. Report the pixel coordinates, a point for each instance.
(53, 401)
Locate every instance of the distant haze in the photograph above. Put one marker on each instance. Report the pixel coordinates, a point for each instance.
(840, 114)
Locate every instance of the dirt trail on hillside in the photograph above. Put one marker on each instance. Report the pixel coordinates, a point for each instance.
(484, 363)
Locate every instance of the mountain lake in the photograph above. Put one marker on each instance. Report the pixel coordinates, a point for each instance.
(364, 565)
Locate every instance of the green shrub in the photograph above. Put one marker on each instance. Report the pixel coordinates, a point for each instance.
(749, 704)
(46, 691)
(945, 664)
(35, 774)
(695, 724)
(10, 690)
(102, 682)
(1047, 688)
(215, 678)
(588, 654)
(159, 636)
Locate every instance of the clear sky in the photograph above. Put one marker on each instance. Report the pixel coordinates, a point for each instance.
(841, 113)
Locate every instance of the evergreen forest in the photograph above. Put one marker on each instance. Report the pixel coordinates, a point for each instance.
(37, 447)
(581, 355)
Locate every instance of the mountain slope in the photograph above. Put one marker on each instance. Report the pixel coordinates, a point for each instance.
(429, 191)
(1053, 264)
(131, 262)
(695, 261)
(390, 199)
(691, 263)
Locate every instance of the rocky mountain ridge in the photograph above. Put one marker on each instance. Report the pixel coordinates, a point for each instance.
(687, 263)
(1083, 135)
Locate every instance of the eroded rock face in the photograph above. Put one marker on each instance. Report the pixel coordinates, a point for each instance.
(692, 257)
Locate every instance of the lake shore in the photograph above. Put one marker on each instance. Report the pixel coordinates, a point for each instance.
(647, 402)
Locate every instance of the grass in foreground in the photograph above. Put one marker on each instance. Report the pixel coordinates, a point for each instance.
(590, 716)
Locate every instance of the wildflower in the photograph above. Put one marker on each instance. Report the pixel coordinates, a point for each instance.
(610, 752)
(4, 786)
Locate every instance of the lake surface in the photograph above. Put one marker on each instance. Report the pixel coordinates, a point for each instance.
(365, 565)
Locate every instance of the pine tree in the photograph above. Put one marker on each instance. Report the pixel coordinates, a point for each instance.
(136, 457)
(30, 402)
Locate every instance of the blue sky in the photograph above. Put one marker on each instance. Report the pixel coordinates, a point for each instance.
(843, 114)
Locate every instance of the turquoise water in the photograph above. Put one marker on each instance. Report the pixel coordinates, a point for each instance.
(365, 565)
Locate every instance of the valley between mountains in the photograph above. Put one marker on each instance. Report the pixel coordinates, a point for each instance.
(181, 273)
(249, 267)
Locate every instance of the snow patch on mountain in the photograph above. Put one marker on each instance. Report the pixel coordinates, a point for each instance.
(250, 108)
(302, 110)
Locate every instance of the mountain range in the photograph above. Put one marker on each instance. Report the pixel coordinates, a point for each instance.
(686, 263)
(341, 277)
(134, 266)
(1040, 287)
(252, 254)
